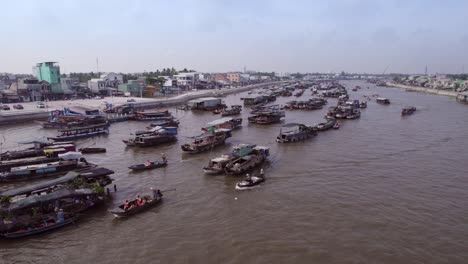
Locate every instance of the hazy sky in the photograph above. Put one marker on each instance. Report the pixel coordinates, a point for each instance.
(218, 35)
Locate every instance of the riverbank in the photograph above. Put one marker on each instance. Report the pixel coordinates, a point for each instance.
(423, 90)
(31, 113)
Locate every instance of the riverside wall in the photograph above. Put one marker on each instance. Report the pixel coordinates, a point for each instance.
(8, 118)
(423, 90)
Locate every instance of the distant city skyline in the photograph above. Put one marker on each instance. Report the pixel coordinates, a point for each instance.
(218, 36)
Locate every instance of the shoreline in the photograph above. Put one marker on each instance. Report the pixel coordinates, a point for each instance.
(32, 114)
(423, 90)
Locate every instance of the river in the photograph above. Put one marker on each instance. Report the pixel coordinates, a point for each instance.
(381, 189)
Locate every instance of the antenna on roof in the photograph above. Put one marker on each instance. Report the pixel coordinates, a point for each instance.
(97, 64)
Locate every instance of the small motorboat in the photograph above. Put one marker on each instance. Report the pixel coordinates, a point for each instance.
(250, 182)
(149, 165)
(134, 209)
(217, 111)
(92, 150)
(337, 125)
(46, 225)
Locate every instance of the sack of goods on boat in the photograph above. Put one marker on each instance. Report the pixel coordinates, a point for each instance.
(408, 110)
(250, 181)
(247, 162)
(138, 205)
(81, 132)
(217, 165)
(224, 123)
(295, 132)
(152, 137)
(207, 141)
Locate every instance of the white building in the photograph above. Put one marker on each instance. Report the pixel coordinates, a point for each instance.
(107, 81)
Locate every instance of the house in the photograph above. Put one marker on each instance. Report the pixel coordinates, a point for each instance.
(233, 77)
(32, 89)
(187, 79)
(106, 83)
(70, 85)
(132, 87)
(50, 72)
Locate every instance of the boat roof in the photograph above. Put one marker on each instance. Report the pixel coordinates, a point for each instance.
(50, 197)
(381, 98)
(35, 141)
(292, 125)
(219, 121)
(89, 174)
(83, 128)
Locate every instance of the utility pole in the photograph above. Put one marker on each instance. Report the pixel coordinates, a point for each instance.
(425, 70)
(97, 65)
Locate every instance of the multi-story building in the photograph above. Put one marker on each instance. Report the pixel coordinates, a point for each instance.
(49, 72)
(233, 77)
(106, 83)
(70, 85)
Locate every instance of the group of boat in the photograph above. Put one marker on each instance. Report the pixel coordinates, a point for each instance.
(311, 104)
(266, 115)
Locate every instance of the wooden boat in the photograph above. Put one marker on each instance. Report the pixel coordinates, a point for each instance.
(382, 100)
(153, 137)
(6, 165)
(247, 162)
(207, 141)
(235, 110)
(224, 123)
(250, 182)
(149, 202)
(46, 225)
(81, 132)
(165, 123)
(41, 148)
(295, 132)
(330, 122)
(217, 165)
(363, 104)
(152, 115)
(408, 110)
(92, 150)
(152, 165)
(354, 115)
(41, 170)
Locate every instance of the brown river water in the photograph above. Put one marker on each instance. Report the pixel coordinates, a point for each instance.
(381, 189)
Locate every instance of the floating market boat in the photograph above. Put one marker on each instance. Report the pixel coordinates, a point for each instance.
(170, 122)
(250, 182)
(217, 165)
(382, 100)
(363, 104)
(41, 148)
(408, 110)
(148, 166)
(133, 208)
(81, 132)
(247, 162)
(330, 122)
(36, 171)
(42, 227)
(152, 137)
(354, 114)
(152, 115)
(295, 132)
(207, 141)
(235, 110)
(224, 123)
(90, 150)
(6, 165)
(267, 115)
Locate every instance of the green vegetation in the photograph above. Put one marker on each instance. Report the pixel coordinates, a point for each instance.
(5, 199)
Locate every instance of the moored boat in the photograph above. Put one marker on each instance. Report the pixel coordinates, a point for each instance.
(152, 115)
(44, 226)
(224, 123)
(235, 110)
(217, 165)
(330, 122)
(90, 150)
(155, 136)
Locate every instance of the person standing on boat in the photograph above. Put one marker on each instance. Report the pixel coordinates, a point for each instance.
(156, 193)
(60, 216)
(147, 163)
(163, 157)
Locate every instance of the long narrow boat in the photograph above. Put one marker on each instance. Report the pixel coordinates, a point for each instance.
(46, 225)
(152, 165)
(81, 132)
(92, 150)
(149, 202)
